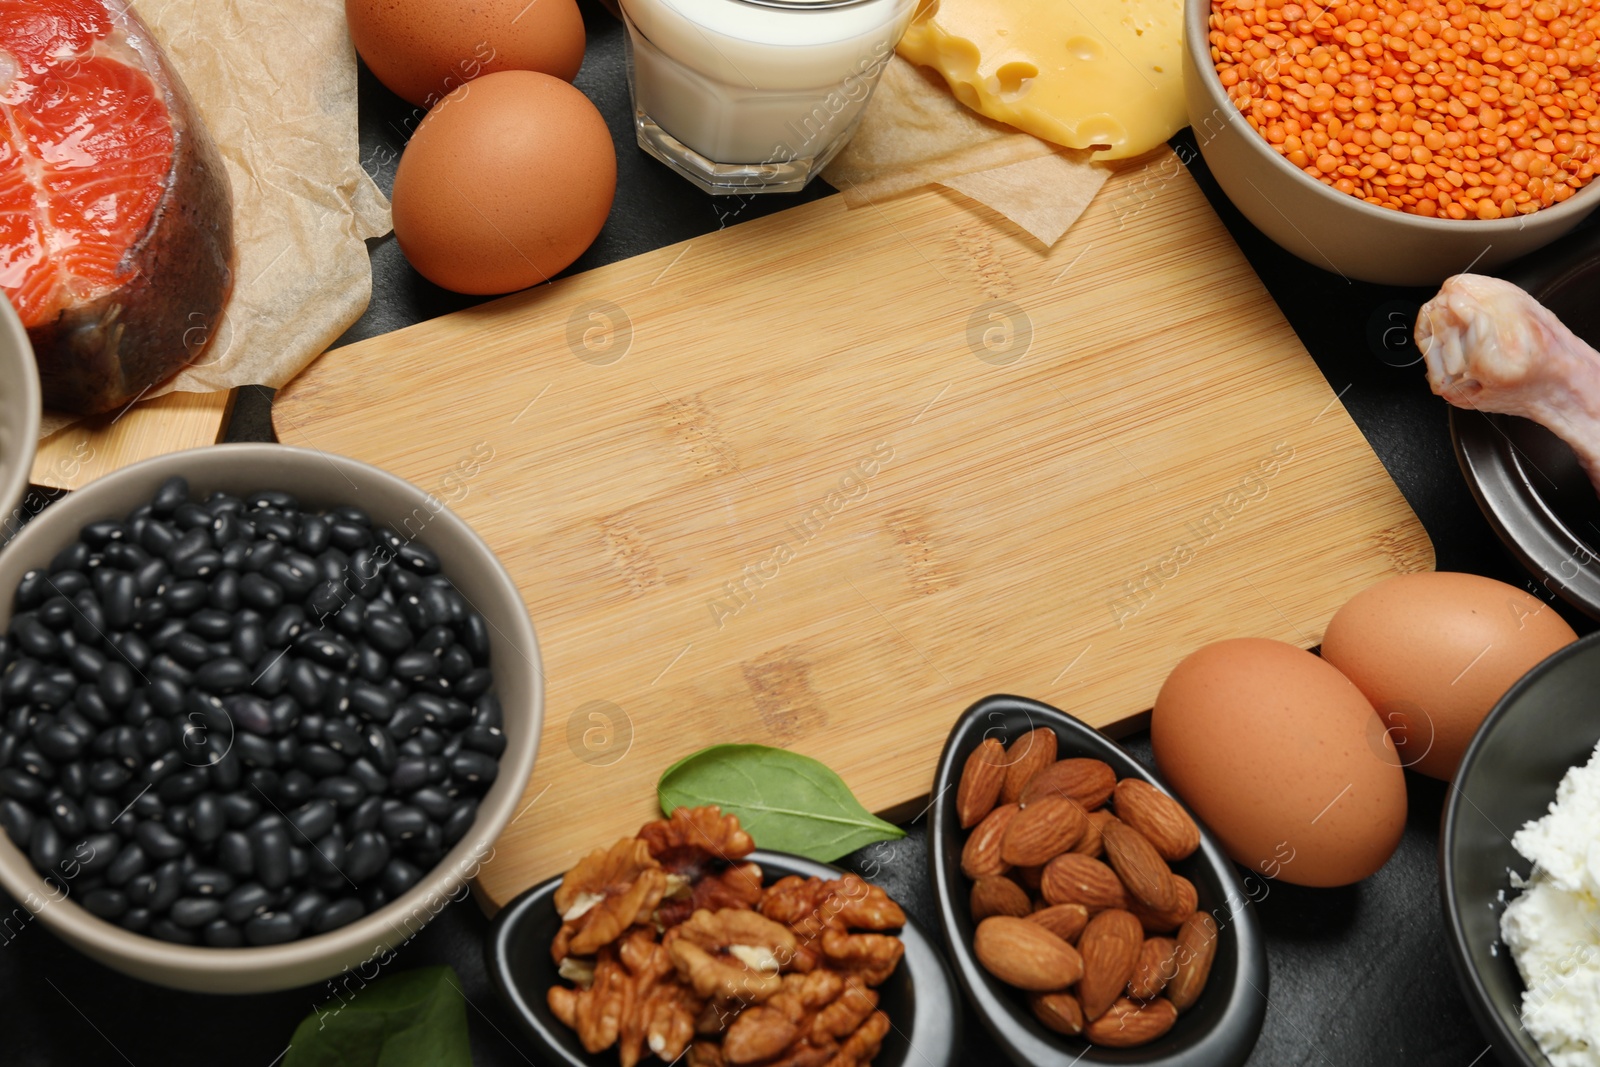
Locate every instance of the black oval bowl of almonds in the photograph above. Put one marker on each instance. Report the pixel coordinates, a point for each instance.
(1058, 938)
(921, 1018)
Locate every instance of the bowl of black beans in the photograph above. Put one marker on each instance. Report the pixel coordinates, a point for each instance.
(263, 713)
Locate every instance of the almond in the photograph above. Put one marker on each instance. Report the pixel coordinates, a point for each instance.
(1060, 1012)
(1197, 947)
(1165, 922)
(1026, 955)
(1028, 755)
(1141, 868)
(1075, 879)
(1129, 1023)
(1088, 781)
(1091, 843)
(998, 895)
(1066, 921)
(1042, 831)
(1155, 968)
(1109, 947)
(1158, 817)
(981, 778)
(980, 856)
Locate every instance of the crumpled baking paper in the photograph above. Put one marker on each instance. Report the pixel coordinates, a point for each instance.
(275, 82)
(916, 133)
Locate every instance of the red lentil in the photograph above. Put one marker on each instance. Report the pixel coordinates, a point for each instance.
(1442, 108)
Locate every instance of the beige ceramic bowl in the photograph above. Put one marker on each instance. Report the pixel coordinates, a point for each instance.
(1333, 230)
(19, 414)
(324, 481)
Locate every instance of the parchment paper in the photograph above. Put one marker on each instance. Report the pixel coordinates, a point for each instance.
(916, 133)
(275, 82)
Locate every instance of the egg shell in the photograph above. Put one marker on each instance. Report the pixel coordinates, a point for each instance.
(1283, 758)
(424, 49)
(504, 184)
(1434, 652)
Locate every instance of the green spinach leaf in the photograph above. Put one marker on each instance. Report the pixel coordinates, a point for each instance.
(786, 802)
(415, 1018)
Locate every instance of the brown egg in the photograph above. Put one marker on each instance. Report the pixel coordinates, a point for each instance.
(504, 183)
(1284, 759)
(425, 49)
(1433, 652)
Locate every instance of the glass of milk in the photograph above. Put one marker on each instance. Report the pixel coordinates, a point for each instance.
(755, 96)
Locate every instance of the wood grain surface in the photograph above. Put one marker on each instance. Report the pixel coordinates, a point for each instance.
(75, 456)
(823, 479)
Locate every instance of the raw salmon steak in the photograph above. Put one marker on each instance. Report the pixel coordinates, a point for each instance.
(116, 219)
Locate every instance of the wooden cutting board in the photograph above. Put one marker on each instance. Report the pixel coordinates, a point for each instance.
(823, 479)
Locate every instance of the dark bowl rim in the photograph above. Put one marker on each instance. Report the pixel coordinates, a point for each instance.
(1489, 1018)
(922, 957)
(1196, 20)
(1244, 1016)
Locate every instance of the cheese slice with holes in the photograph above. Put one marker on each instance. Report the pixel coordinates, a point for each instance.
(1104, 74)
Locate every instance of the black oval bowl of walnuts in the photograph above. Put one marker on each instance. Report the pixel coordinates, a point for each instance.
(687, 944)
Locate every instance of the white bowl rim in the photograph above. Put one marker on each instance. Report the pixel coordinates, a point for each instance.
(15, 481)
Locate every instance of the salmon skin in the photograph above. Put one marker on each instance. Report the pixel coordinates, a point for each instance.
(116, 217)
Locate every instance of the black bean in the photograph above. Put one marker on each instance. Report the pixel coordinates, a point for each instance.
(342, 738)
(223, 675)
(366, 573)
(474, 634)
(429, 741)
(248, 642)
(100, 811)
(195, 911)
(296, 787)
(460, 821)
(119, 602)
(432, 801)
(135, 919)
(158, 841)
(398, 876)
(275, 675)
(249, 899)
(295, 581)
(191, 650)
(271, 854)
(367, 855)
(436, 639)
(155, 737)
(370, 702)
(403, 823)
(146, 805)
(351, 619)
(387, 633)
(34, 589)
(250, 713)
(148, 577)
(366, 815)
(259, 592)
(271, 928)
(348, 535)
(19, 678)
(75, 557)
(235, 855)
(329, 649)
(185, 596)
(73, 778)
(167, 930)
(455, 664)
(367, 775)
(9, 743)
(130, 863)
(206, 820)
(48, 694)
(490, 740)
(305, 683)
(191, 543)
(226, 770)
(286, 714)
(191, 516)
(86, 662)
(207, 882)
(65, 813)
(220, 933)
(306, 906)
(173, 494)
(104, 903)
(58, 742)
(311, 726)
(409, 774)
(315, 819)
(15, 782)
(168, 883)
(416, 665)
(326, 599)
(211, 624)
(341, 912)
(299, 865)
(380, 749)
(342, 790)
(94, 856)
(17, 821)
(35, 638)
(486, 711)
(183, 787)
(254, 751)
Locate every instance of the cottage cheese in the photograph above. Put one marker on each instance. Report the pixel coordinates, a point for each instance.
(1553, 927)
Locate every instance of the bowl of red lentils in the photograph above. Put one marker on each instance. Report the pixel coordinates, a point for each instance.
(1400, 141)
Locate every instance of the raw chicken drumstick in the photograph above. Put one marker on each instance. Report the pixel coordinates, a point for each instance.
(1492, 347)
